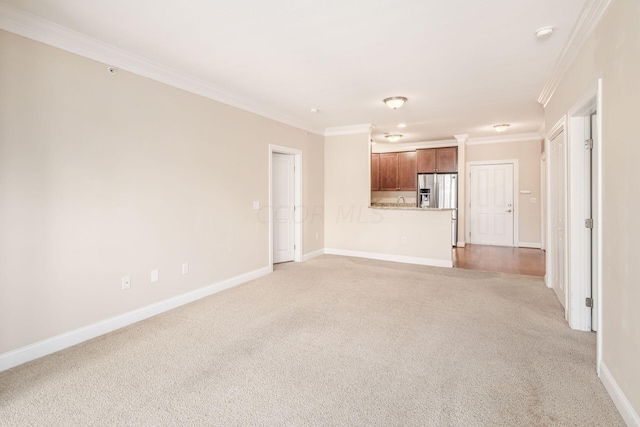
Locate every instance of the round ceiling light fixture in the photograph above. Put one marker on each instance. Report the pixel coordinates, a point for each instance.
(402, 125)
(395, 102)
(501, 127)
(544, 32)
(393, 137)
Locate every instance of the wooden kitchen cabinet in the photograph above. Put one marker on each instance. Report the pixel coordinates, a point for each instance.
(432, 160)
(407, 171)
(426, 160)
(447, 159)
(375, 172)
(389, 171)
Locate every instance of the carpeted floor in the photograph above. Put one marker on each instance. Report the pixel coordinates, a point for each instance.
(332, 341)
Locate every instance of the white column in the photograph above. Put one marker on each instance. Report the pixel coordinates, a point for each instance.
(462, 185)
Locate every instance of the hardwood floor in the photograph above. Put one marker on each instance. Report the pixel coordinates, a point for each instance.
(501, 259)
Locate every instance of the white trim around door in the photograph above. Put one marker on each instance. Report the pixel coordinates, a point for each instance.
(297, 199)
(584, 250)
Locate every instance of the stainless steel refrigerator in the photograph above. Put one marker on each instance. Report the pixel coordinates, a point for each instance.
(440, 190)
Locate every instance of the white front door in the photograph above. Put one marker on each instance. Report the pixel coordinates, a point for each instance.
(491, 210)
(557, 215)
(283, 207)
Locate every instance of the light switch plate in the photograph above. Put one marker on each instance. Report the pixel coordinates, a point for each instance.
(154, 276)
(185, 268)
(126, 282)
(256, 205)
(533, 200)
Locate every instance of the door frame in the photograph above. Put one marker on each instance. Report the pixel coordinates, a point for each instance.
(516, 205)
(543, 201)
(577, 119)
(559, 127)
(297, 190)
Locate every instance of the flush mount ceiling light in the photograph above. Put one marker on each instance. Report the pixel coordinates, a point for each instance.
(544, 32)
(393, 137)
(315, 110)
(502, 127)
(395, 102)
(402, 125)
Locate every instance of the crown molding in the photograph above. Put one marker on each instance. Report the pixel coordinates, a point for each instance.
(462, 138)
(348, 130)
(589, 18)
(518, 137)
(30, 26)
(412, 146)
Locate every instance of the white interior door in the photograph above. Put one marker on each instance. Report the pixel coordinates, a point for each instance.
(593, 196)
(283, 201)
(491, 204)
(557, 215)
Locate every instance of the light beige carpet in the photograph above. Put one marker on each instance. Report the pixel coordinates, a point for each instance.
(333, 341)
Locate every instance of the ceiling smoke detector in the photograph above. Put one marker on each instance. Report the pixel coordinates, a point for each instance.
(395, 102)
(544, 32)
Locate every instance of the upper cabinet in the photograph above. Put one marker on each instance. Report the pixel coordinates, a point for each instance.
(394, 171)
(426, 160)
(434, 160)
(407, 171)
(389, 171)
(398, 171)
(375, 172)
(447, 159)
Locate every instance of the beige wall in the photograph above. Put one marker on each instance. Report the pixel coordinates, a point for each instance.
(104, 176)
(612, 53)
(351, 225)
(528, 155)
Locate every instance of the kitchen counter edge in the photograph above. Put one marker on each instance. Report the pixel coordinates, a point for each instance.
(409, 208)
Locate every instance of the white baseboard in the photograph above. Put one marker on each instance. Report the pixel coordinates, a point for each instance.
(59, 342)
(529, 245)
(390, 257)
(461, 244)
(311, 255)
(629, 415)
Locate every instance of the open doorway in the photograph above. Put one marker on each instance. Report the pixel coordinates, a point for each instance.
(285, 200)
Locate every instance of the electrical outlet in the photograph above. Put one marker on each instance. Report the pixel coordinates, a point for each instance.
(154, 276)
(533, 200)
(126, 282)
(185, 268)
(256, 205)
(404, 240)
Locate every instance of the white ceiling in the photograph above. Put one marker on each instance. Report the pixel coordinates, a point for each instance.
(465, 65)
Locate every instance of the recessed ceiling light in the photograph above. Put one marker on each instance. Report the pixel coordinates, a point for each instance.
(501, 127)
(395, 102)
(393, 137)
(402, 125)
(544, 32)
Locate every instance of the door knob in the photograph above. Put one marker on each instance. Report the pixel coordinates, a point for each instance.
(508, 210)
